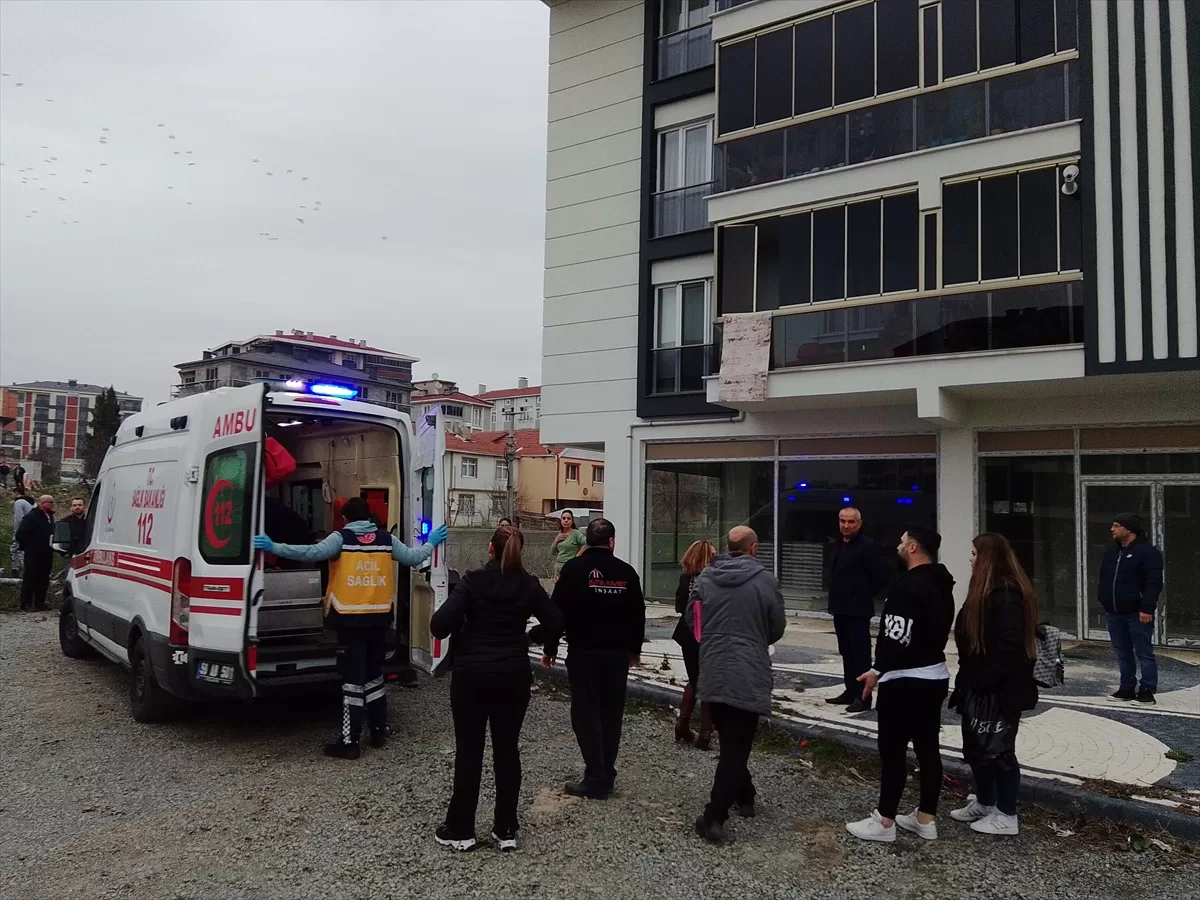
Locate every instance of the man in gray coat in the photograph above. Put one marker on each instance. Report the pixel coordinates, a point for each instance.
(736, 610)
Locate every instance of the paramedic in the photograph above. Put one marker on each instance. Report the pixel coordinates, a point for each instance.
(359, 602)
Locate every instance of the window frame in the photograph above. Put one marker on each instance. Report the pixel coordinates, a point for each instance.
(502, 470)
(678, 287)
(597, 471)
(681, 132)
(711, 7)
(471, 463)
(247, 498)
(567, 469)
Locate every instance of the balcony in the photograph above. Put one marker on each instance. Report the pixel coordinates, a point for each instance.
(682, 210)
(684, 51)
(1041, 96)
(682, 370)
(199, 387)
(730, 4)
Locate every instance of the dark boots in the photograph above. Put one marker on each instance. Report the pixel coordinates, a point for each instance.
(683, 724)
(704, 738)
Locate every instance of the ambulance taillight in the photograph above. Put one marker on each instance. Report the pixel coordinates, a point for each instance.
(181, 577)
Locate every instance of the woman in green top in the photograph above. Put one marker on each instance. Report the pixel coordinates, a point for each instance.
(568, 542)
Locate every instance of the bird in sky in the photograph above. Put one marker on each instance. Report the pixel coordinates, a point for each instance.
(270, 173)
(104, 164)
(170, 137)
(304, 178)
(384, 237)
(301, 221)
(191, 164)
(161, 125)
(288, 172)
(104, 129)
(254, 160)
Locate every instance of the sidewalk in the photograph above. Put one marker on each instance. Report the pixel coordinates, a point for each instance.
(1075, 735)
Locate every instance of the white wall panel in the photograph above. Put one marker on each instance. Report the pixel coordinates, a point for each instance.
(620, 333)
(587, 399)
(590, 306)
(595, 35)
(621, 209)
(606, 243)
(592, 185)
(596, 124)
(591, 276)
(703, 106)
(685, 268)
(597, 63)
(598, 154)
(606, 91)
(565, 16)
(592, 367)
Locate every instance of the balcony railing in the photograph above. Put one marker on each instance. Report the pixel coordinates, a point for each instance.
(684, 51)
(1040, 96)
(681, 370)
(681, 210)
(199, 387)
(1034, 316)
(730, 4)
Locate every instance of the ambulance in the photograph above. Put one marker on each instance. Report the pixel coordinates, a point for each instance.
(168, 584)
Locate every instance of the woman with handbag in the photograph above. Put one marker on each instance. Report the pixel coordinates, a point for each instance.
(698, 556)
(486, 614)
(996, 634)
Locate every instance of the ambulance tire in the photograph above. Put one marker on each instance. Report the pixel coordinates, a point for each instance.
(72, 645)
(147, 700)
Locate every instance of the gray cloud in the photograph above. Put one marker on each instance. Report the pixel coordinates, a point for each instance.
(420, 121)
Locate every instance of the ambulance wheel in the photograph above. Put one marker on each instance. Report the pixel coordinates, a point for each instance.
(73, 646)
(147, 701)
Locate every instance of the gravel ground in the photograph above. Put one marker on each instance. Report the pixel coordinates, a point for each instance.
(235, 801)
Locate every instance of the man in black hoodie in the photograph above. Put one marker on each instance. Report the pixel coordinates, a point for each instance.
(600, 598)
(910, 670)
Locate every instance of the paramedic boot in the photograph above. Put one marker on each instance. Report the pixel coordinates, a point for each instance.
(342, 750)
(376, 699)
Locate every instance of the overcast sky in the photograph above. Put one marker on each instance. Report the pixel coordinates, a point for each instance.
(420, 120)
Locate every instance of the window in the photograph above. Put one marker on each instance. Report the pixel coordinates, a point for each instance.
(477, 416)
(502, 470)
(188, 377)
(1021, 219)
(680, 15)
(210, 374)
(683, 335)
(572, 471)
(466, 505)
(392, 398)
(363, 393)
(470, 467)
(735, 86)
(984, 34)
(261, 373)
(597, 474)
(684, 178)
(685, 41)
(225, 512)
(454, 412)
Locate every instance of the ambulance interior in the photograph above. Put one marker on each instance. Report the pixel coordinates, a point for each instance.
(334, 460)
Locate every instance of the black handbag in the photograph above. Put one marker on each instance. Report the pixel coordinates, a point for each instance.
(989, 736)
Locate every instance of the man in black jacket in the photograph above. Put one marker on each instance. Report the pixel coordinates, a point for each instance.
(604, 613)
(1131, 579)
(34, 537)
(857, 575)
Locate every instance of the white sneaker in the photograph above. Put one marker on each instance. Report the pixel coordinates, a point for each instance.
(506, 842)
(997, 823)
(873, 829)
(913, 824)
(972, 812)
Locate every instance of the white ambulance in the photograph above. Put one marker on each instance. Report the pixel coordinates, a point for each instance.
(169, 585)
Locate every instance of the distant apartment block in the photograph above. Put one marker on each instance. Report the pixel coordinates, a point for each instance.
(53, 416)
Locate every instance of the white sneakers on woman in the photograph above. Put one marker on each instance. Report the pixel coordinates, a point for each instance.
(913, 824)
(972, 812)
(997, 823)
(873, 829)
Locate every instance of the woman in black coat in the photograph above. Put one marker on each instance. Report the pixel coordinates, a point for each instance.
(698, 556)
(486, 614)
(996, 635)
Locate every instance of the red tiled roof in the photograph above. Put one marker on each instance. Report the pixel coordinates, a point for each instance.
(492, 443)
(505, 393)
(456, 397)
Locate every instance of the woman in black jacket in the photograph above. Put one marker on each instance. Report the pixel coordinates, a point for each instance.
(996, 634)
(487, 614)
(698, 556)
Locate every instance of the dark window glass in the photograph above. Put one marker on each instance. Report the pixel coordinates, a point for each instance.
(950, 116)
(998, 227)
(754, 159)
(1070, 232)
(225, 515)
(1032, 316)
(1067, 15)
(880, 331)
(862, 248)
(737, 268)
(810, 339)
(881, 131)
(1036, 35)
(814, 65)
(931, 282)
(853, 59)
(1039, 225)
(958, 37)
(1027, 99)
(955, 324)
(816, 146)
(931, 45)
(960, 233)
(1140, 464)
(766, 289)
(1071, 73)
(795, 236)
(897, 46)
(735, 90)
(829, 253)
(773, 89)
(901, 241)
(997, 33)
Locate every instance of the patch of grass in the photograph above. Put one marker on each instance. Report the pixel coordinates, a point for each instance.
(1181, 756)
(643, 708)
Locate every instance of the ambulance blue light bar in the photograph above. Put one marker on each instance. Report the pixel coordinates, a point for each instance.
(340, 391)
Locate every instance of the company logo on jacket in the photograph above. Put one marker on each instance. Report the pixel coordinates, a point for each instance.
(368, 538)
(898, 628)
(598, 583)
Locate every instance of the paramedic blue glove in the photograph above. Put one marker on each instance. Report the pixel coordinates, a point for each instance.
(437, 536)
(262, 542)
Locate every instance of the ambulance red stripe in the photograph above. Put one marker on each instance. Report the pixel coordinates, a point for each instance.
(215, 610)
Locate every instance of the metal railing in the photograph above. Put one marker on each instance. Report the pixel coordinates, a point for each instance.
(681, 370)
(199, 387)
(684, 51)
(681, 210)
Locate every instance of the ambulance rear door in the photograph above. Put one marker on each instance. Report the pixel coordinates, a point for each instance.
(430, 583)
(225, 577)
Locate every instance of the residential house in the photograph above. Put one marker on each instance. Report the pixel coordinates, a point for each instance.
(523, 404)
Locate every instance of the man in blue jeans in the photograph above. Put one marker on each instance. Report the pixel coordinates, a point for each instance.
(1131, 578)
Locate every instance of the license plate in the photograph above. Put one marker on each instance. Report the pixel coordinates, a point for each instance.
(218, 673)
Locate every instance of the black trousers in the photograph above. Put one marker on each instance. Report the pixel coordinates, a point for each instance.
(910, 710)
(360, 655)
(477, 701)
(854, 647)
(732, 783)
(35, 582)
(597, 681)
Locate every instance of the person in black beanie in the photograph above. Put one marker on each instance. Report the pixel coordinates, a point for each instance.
(1131, 579)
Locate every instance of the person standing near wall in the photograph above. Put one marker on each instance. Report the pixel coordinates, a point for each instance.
(34, 536)
(21, 508)
(568, 543)
(694, 561)
(1131, 579)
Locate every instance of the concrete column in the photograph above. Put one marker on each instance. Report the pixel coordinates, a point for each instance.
(621, 488)
(956, 504)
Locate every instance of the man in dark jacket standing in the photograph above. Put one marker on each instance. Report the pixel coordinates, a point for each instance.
(604, 614)
(857, 575)
(33, 537)
(738, 609)
(1131, 578)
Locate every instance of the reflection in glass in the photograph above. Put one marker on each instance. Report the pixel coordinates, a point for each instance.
(1026, 100)
(685, 51)
(686, 209)
(1104, 503)
(951, 116)
(810, 339)
(881, 131)
(816, 146)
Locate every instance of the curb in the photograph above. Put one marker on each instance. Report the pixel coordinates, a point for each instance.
(1066, 797)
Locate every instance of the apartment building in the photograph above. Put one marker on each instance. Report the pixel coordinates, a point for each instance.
(460, 412)
(935, 259)
(52, 416)
(523, 404)
(380, 376)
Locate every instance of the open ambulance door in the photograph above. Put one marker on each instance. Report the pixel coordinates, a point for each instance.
(214, 594)
(430, 583)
